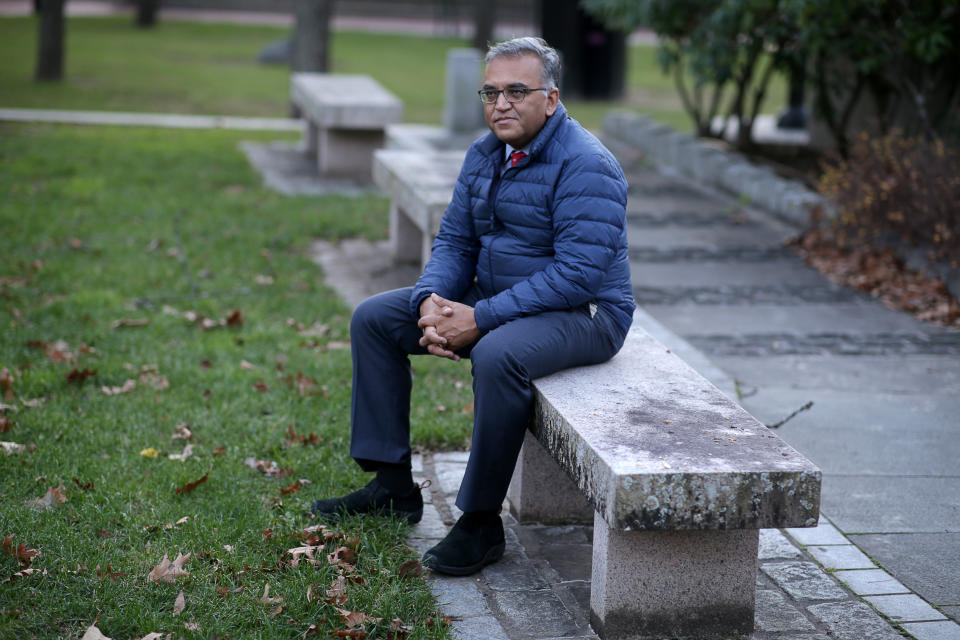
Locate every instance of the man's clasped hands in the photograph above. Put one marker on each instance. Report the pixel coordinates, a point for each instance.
(447, 326)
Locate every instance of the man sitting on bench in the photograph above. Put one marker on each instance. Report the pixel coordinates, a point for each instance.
(529, 274)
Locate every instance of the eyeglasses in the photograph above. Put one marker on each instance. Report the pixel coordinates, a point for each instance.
(513, 94)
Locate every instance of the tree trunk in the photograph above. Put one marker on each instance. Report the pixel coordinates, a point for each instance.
(50, 42)
(483, 19)
(147, 13)
(311, 37)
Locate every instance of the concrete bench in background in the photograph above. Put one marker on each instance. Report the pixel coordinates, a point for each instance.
(346, 116)
(677, 479)
(420, 185)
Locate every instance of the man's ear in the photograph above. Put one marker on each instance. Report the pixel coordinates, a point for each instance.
(553, 99)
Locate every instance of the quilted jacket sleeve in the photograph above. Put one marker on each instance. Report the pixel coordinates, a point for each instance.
(453, 260)
(589, 221)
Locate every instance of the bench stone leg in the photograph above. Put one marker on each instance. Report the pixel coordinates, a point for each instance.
(541, 492)
(311, 138)
(675, 584)
(406, 239)
(348, 153)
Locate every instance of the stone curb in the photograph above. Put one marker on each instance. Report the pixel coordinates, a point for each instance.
(128, 119)
(788, 200)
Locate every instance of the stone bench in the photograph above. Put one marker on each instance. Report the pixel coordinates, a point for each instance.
(677, 480)
(420, 185)
(346, 116)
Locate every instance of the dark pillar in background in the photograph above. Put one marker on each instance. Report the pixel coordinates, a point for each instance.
(311, 35)
(50, 41)
(483, 19)
(146, 16)
(594, 58)
(795, 116)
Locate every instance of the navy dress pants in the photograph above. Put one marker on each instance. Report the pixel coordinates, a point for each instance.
(504, 361)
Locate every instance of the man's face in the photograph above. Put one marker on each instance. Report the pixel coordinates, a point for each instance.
(517, 123)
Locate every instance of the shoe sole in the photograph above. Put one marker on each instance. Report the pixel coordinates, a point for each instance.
(494, 554)
(412, 517)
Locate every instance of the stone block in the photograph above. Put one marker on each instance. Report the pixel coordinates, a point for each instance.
(431, 525)
(853, 620)
(933, 630)
(905, 608)
(803, 580)
(462, 109)
(774, 544)
(541, 492)
(775, 614)
(651, 584)
(459, 597)
(478, 628)
(870, 582)
(841, 557)
(347, 153)
(822, 534)
(534, 614)
(344, 101)
(514, 572)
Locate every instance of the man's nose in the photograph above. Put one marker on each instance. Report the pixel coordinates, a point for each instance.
(502, 103)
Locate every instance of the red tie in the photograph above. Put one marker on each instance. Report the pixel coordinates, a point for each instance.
(515, 157)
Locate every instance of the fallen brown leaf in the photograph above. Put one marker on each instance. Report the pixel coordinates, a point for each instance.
(305, 551)
(52, 499)
(190, 486)
(293, 488)
(182, 431)
(83, 486)
(12, 448)
(21, 552)
(341, 554)
(187, 452)
(93, 633)
(355, 619)
(266, 599)
(6, 383)
(261, 386)
(5, 424)
(77, 376)
(410, 569)
(127, 387)
(168, 571)
(179, 604)
(192, 626)
(130, 322)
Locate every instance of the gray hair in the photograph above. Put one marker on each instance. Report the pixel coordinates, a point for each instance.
(517, 47)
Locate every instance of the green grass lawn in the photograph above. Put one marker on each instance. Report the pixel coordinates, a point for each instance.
(182, 67)
(117, 243)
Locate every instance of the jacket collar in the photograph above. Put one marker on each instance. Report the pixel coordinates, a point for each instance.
(492, 146)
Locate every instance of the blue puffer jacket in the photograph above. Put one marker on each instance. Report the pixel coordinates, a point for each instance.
(550, 234)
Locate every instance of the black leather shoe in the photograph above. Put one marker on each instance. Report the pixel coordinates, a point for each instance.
(373, 498)
(471, 545)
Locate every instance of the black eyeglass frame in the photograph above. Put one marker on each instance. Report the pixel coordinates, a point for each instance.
(496, 94)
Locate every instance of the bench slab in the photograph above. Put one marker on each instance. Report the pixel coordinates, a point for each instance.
(655, 446)
(420, 185)
(346, 117)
